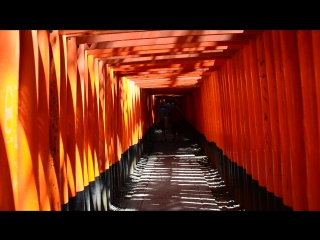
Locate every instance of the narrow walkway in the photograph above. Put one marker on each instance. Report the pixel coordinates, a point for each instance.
(175, 177)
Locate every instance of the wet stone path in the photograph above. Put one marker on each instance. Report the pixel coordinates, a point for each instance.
(174, 176)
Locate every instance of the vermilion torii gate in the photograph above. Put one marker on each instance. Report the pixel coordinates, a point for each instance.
(78, 105)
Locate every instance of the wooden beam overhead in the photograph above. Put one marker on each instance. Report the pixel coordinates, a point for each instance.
(156, 43)
(162, 61)
(170, 58)
(155, 62)
(164, 66)
(122, 36)
(85, 33)
(162, 48)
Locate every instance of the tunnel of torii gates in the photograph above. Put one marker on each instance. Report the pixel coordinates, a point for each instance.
(77, 108)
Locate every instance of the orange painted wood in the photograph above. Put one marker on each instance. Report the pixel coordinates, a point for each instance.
(242, 136)
(206, 109)
(101, 102)
(46, 162)
(205, 122)
(237, 122)
(140, 98)
(224, 112)
(223, 44)
(95, 88)
(114, 115)
(107, 119)
(273, 112)
(226, 118)
(121, 52)
(55, 120)
(227, 112)
(222, 115)
(164, 48)
(132, 95)
(121, 115)
(213, 112)
(283, 121)
(72, 148)
(197, 96)
(111, 112)
(27, 143)
(73, 33)
(259, 151)
(9, 98)
(213, 96)
(64, 195)
(171, 57)
(58, 146)
(235, 113)
(134, 117)
(181, 35)
(126, 115)
(314, 203)
(310, 116)
(79, 133)
(227, 93)
(265, 111)
(142, 102)
(116, 103)
(174, 40)
(130, 109)
(201, 111)
(245, 115)
(216, 115)
(221, 120)
(231, 78)
(151, 60)
(233, 147)
(85, 78)
(104, 76)
(163, 71)
(166, 65)
(82, 176)
(165, 76)
(162, 54)
(167, 85)
(83, 133)
(136, 112)
(91, 121)
(239, 109)
(252, 167)
(292, 79)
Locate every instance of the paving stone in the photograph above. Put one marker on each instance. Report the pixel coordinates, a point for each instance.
(174, 177)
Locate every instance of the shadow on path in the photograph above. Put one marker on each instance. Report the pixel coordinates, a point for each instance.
(175, 176)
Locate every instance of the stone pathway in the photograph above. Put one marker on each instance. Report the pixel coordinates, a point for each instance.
(175, 177)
